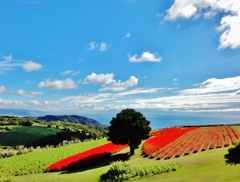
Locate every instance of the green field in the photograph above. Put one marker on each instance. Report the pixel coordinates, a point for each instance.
(24, 135)
(203, 166)
(210, 165)
(37, 161)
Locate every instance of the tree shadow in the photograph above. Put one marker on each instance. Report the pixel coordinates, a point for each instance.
(94, 161)
(233, 156)
(232, 159)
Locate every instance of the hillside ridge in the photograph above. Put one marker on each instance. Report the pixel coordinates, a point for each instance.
(66, 118)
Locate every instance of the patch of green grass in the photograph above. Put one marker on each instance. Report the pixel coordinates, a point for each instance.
(237, 127)
(25, 135)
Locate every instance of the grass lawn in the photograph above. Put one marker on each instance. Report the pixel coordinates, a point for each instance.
(237, 128)
(203, 166)
(24, 135)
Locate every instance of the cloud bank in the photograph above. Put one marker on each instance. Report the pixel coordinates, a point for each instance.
(230, 22)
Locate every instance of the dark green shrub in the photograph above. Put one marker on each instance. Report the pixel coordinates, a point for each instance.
(120, 171)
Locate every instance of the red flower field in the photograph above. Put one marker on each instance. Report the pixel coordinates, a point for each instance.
(87, 158)
(195, 140)
(162, 138)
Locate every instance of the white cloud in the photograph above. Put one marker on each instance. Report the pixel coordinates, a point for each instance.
(8, 63)
(102, 97)
(108, 83)
(230, 26)
(66, 72)
(31, 66)
(58, 84)
(100, 79)
(209, 14)
(120, 86)
(93, 45)
(3, 90)
(70, 72)
(230, 22)
(175, 79)
(7, 58)
(103, 46)
(203, 102)
(127, 35)
(237, 93)
(215, 85)
(146, 56)
(27, 94)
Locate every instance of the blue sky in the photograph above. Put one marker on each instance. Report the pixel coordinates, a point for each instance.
(91, 56)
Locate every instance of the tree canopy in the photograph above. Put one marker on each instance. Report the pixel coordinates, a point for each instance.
(129, 127)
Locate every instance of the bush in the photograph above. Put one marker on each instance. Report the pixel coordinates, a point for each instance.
(120, 171)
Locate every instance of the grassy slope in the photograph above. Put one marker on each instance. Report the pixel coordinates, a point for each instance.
(38, 161)
(203, 166)
(25, 135)
(237, 128)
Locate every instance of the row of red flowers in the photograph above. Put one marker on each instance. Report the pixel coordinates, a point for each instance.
(197, 140)
(163, 138)
(87, 158)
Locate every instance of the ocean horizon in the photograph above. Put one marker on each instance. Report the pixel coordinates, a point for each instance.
(171, 119)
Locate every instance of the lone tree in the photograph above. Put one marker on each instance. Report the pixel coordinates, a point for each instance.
(129, 127)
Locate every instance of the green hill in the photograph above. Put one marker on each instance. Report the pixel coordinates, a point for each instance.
(24, 135)
(66, 118)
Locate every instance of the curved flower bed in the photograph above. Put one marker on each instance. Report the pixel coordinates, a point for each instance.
(87, 158)
(165, 137)
(201, 139)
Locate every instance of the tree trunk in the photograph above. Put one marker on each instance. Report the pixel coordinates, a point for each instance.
(132, 149)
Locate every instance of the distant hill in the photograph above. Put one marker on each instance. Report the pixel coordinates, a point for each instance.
(66, 118)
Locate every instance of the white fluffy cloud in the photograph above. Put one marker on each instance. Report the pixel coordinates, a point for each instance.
(100, 79)
(119, 86)
(108, 83)
(146, 56)
(230, 26)
(230, 22)
(31, 66)
(3, 90)
(58, 84)
(27, 94)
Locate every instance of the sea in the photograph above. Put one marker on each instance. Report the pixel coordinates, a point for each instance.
(172, 119)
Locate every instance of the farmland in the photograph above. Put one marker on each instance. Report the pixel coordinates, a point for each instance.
(37, 162)
(193, 141)
(203, 162)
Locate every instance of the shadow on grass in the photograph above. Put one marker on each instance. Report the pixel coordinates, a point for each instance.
(232, 159)
(233, 156)
(88, 163)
